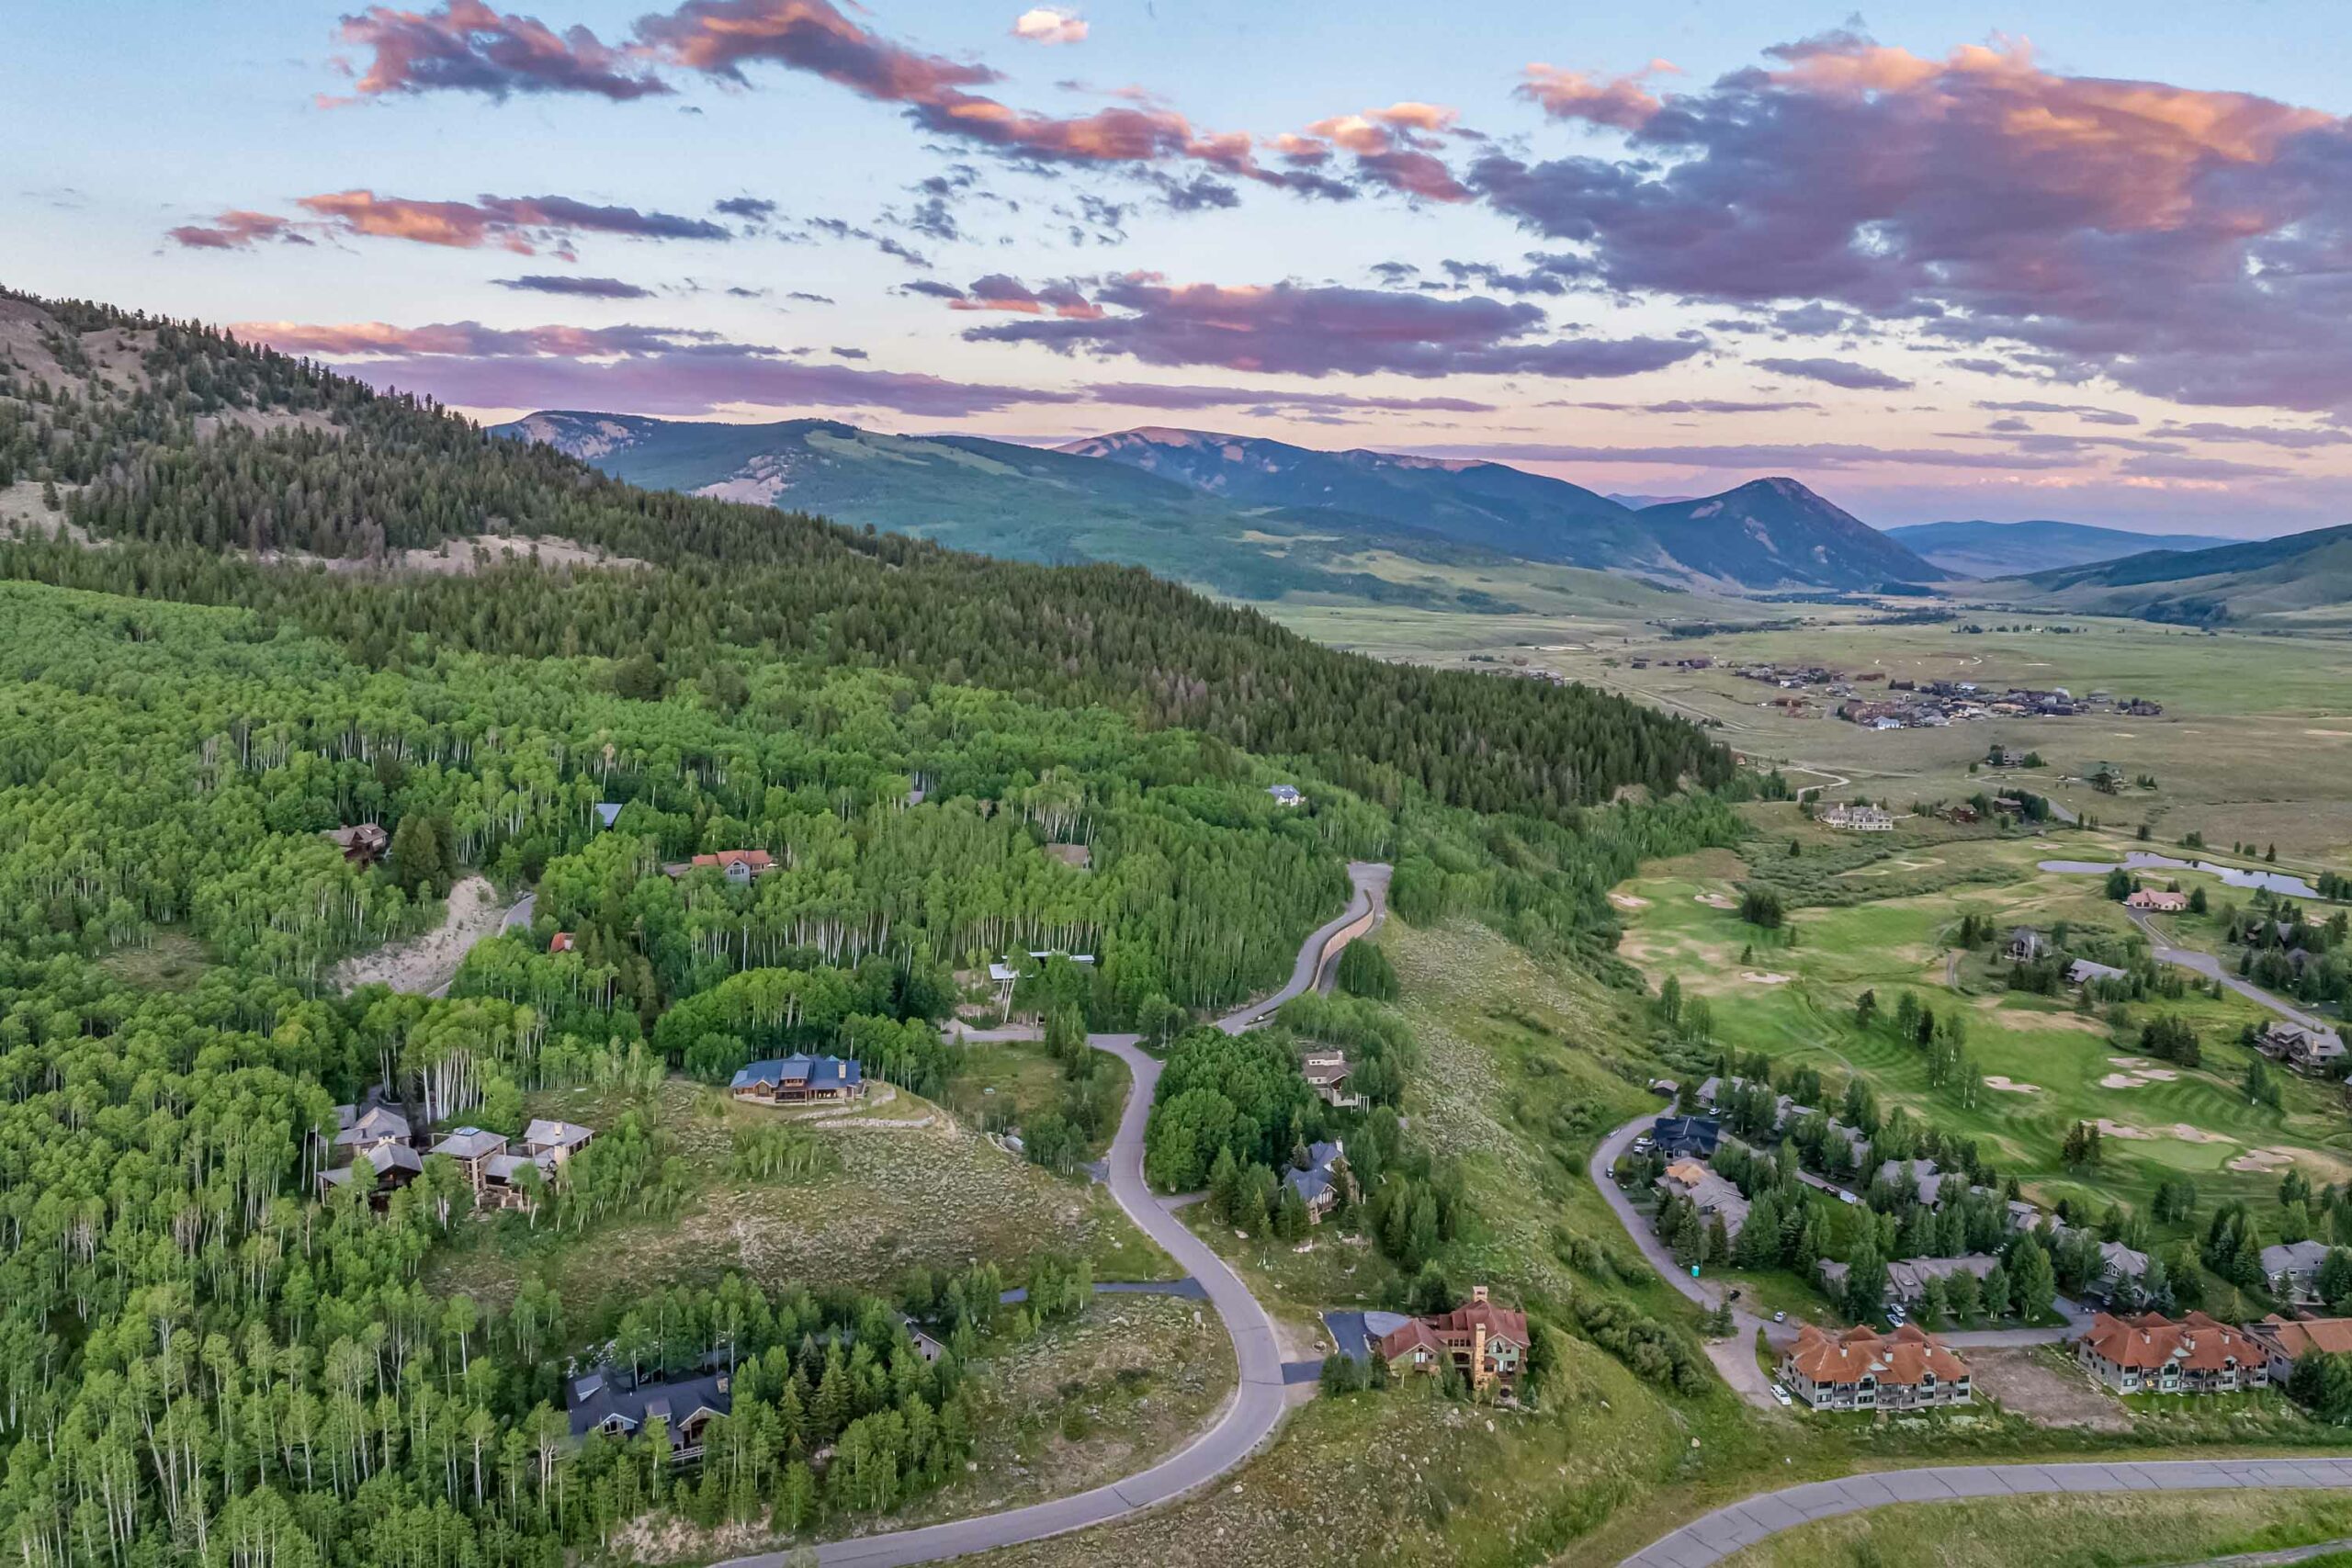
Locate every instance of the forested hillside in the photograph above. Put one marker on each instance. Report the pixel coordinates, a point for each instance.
(393, 473)
(221, 656)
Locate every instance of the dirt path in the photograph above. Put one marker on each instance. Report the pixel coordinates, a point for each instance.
(425, 964)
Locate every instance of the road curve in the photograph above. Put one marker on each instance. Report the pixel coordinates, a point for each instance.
(1735, 1358)
(2205, 963)
(1716, 1536)
(1247, 1419)
(1365, 912)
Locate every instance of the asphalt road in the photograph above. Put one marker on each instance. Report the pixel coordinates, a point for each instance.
(1733, 1358)
(1321, 949)
(1247, 1419)
(2205, 963)
(1727, 1530)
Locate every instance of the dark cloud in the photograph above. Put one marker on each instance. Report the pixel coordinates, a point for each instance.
(2258, 435)
(750, 208)
(1290, 328)
(468, 47)
(1548, 274)
(841, 228)
(841, 353)
(801, 294)
(2081, 411)
(998, 291)
(2186, 243)
(1843, 373)
(1749, 456)
(1152, 395)
(237, 230)
(580, 287)
(657, 370)
(2215, 469)
(1696, 405)
(932, 286)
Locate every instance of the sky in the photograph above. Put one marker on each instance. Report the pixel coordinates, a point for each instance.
(2082, 260)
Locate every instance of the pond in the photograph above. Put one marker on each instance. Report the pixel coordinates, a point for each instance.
(2141, 859)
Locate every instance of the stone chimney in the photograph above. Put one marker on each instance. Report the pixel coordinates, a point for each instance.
(1477, 1295)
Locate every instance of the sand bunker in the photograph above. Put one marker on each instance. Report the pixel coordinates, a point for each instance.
(2190, 1134)
(2120, 1129)
(1995, 1080)
(1718, 901)
(1753, 978)
(1629, 900)
(2262, 1162)
(2137, 1079)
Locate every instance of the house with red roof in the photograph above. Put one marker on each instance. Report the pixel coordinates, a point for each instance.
(2286, 1340)
(738, 866)
(1864, 1369)
(2153, 1354)
(1485, 1343)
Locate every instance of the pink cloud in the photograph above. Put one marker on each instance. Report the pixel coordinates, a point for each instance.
(523, 224)
(1620, 101)
(1044, 24)
(2182, 243)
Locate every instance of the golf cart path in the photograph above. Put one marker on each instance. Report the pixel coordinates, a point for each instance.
(1249, 1418)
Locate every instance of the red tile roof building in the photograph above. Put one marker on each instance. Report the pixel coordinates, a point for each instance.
(2285, 1341)
(1487, 1344)
(1863, 1369)
(2153, 1354)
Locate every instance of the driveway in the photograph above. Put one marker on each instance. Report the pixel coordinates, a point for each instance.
(1727, 1530)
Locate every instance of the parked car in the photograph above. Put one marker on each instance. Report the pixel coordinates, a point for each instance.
(1780, 1317)
(1779, 1394)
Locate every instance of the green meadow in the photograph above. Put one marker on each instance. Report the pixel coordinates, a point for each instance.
(2045, 1064)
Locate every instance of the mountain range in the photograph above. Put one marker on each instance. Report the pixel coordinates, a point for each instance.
(1244, 516)
(2008, 550)
(2300, 582)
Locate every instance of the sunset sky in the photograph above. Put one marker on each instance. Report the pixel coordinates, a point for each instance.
(1940, 260)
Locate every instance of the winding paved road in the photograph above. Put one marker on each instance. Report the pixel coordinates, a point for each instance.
(1321, 949)
(1249, 1418)
(1727, 1530)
